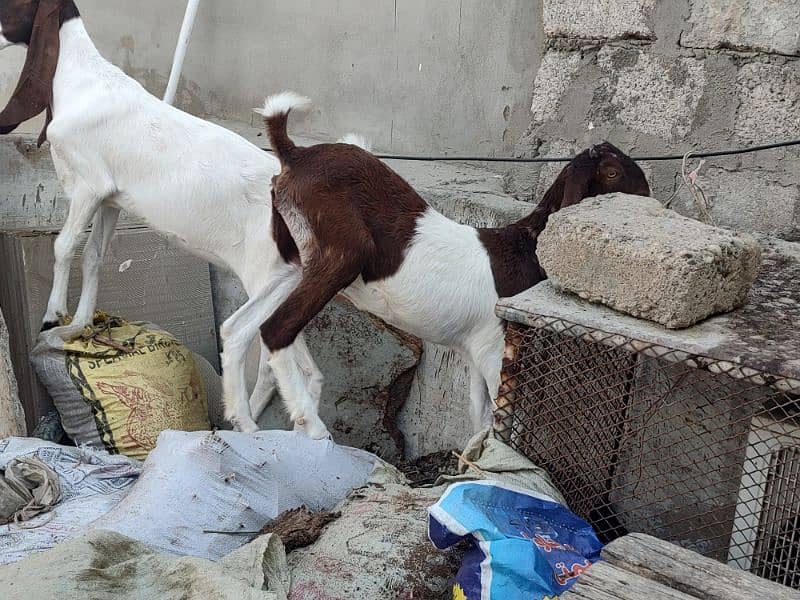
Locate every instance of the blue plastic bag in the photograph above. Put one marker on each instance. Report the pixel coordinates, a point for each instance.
(523, 545)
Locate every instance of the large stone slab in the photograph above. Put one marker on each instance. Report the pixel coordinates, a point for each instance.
(633, 255)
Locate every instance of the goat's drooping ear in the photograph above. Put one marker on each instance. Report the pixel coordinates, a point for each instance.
(577, 179)
(34, 92)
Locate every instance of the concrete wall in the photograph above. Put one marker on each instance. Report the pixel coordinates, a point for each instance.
(451, 74)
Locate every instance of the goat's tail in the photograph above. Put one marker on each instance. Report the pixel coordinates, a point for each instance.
(276, 115)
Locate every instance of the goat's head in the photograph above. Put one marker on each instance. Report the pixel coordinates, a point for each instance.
(35, 24)
(602, 169)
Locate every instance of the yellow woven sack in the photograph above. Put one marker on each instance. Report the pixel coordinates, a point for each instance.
(134, 381)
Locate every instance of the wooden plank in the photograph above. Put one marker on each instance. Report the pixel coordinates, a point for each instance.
(604, 581)
(689, 572)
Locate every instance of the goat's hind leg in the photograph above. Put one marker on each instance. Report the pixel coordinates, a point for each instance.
(265, 387)
(299, 379)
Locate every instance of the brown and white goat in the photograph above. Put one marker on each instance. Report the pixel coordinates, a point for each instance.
(353, 226)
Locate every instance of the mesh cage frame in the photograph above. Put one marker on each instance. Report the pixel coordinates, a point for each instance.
(640, 437)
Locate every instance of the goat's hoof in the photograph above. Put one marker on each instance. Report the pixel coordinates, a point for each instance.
(48, 325)
(243, 424)
(314, 430)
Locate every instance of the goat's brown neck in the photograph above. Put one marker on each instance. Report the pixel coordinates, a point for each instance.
(550, 203)
(68, 11)
(512, 249)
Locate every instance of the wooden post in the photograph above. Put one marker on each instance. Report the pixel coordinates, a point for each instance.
(12, 417)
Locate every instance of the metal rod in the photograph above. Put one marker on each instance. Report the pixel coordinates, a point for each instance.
(180, 50)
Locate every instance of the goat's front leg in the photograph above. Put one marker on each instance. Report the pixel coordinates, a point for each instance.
(105, 223)
(265, 387)
(480, 404)
(83, 206)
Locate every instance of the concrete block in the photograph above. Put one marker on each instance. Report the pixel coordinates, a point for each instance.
(649, 94)
(604, 19)
(744, 25)
(12, 416)
(633, 255)
(551, 83)
(436, 415)
(769, 102)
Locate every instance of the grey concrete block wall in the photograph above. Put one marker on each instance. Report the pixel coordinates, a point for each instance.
(670, 76)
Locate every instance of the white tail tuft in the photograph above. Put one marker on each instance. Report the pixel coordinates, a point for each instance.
(356, 140)
(282, 103)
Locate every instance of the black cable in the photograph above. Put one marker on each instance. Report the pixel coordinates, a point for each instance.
(564, 159)
(568, 159)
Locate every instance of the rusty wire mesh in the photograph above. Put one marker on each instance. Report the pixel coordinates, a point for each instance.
(639, 437)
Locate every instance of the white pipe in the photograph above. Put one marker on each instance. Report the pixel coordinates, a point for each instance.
(180, 50)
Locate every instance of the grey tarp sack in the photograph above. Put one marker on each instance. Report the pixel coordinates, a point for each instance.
(91, 484)
(199, 490)
(103, 564)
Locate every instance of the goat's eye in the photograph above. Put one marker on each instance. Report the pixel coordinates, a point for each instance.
(612, 174)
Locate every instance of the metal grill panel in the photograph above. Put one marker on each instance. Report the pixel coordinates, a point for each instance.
(639, 437)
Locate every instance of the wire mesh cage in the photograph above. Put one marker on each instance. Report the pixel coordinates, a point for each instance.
(646, 437)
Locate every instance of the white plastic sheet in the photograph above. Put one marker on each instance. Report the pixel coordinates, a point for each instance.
(199, 489)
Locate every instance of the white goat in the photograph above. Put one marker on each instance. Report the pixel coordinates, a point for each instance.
(354, 226)
(117, 147)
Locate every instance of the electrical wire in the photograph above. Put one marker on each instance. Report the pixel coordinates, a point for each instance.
(681, 157)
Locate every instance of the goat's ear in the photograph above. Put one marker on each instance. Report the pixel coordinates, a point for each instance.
(34, 92)
(576, 184)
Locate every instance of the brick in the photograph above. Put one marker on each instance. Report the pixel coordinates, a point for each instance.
(649, 94)
(552, 80)
(635, 256)
(769, 102)
(744, 25)
(599, 19)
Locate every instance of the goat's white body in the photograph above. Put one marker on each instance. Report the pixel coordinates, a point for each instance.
(115, 146)
(193, 180)
(444, 288)
(444, 293)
